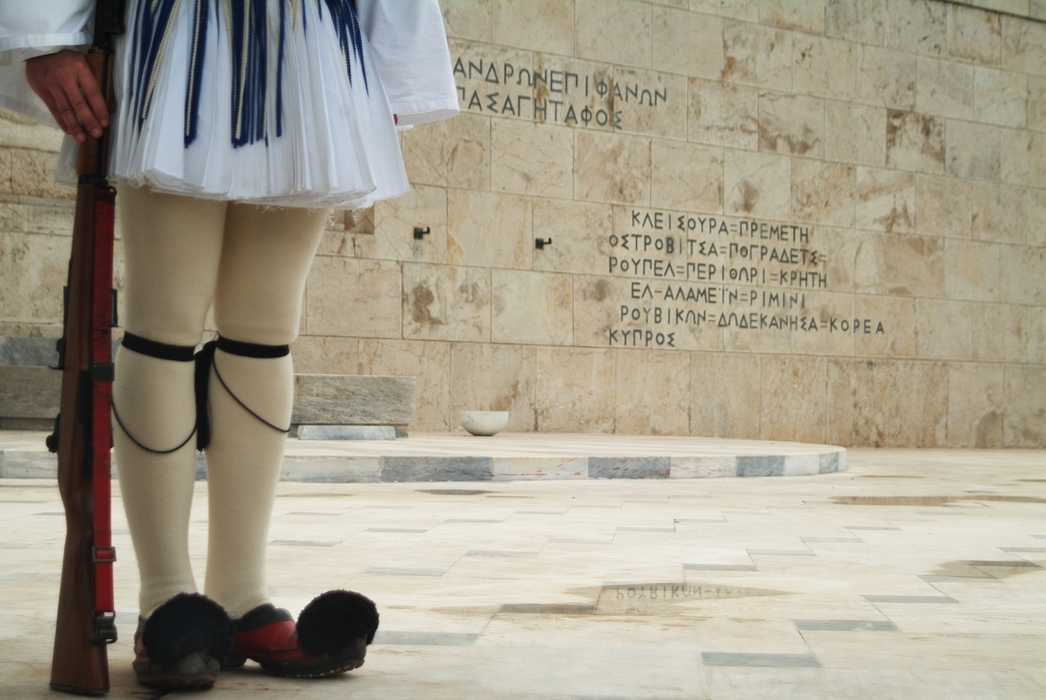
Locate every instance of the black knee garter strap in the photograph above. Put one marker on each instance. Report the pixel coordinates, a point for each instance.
(161, 351)
(204, 360)
(204, 364)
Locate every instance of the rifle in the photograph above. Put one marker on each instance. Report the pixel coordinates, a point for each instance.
(83, 434)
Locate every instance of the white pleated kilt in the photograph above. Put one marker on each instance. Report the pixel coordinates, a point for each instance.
(338, 145)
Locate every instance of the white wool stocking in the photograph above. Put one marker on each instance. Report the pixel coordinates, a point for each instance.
(180, 254)
(265, 261)
(157, 489)
(243, 466)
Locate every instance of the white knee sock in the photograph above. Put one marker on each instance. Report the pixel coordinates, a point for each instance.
(157, 489)
(243, 467)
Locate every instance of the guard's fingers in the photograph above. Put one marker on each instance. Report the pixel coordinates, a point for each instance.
(83, 110)
(52, 107)
(71, 125)
(93, 93)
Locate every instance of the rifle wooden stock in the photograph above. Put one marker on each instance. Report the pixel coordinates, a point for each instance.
(80, 664)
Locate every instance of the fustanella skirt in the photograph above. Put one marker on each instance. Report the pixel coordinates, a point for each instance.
(265, 101)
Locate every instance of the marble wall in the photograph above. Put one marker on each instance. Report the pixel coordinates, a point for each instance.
(777, 219)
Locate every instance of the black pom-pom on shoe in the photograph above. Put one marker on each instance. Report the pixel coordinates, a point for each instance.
(336, 620)
(187, 624)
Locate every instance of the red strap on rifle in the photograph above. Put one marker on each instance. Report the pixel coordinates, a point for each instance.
(102, 395)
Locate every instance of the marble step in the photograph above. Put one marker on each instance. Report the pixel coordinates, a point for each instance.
(30, 396)
(505, 457)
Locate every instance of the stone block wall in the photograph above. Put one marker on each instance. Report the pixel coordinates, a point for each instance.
(814, 220)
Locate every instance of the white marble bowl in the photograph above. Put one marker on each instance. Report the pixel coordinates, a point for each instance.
(483, 422)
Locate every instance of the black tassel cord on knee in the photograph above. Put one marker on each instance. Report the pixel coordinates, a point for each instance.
(204, 364)
(204, 360)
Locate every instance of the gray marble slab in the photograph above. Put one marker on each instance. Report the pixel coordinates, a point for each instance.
(500, 553)
(30, 392)
(1019, 564)
(781, 552)
(331, 470)
(129, 618)
(961, 579)
(909, 599)
(621, 697)
(303, 543)
(442, 639)
(349, 399)
(1033, 550)
(346, 432)
(629, 467)
(396, 529)
(436, 469)
(760, 465)
(848, 540)
(872, 528)
(399, 571)
(27, 351)
(34, 392)
(845, 625)
(828, 462)
(718, 658)
(28, 464)
(719, 567)
(32, 577)
(547, 609)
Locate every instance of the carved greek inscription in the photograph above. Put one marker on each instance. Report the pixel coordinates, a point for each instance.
(649, 597)
(546, 94)
(690, 271)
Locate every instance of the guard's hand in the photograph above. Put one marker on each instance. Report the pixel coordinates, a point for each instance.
(65, 83)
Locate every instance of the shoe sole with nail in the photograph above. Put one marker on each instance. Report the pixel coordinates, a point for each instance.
(314, 668)
(196, 671)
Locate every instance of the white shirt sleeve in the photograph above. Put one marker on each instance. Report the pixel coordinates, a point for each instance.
(409, 44)
(33, 28)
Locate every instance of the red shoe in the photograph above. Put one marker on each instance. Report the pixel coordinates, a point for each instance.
(188, 634)
(331, 637)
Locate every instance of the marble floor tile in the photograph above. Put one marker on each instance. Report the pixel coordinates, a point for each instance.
(845, 625)
(715, 658)
(968, 652)
(919, 599)
(446, 639)
(912, 574)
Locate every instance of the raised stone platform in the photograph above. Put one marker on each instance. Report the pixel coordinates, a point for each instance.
(30, 396)
(504, 457)
(351, 399)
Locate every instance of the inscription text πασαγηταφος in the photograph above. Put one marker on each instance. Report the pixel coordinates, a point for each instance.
(570, 97)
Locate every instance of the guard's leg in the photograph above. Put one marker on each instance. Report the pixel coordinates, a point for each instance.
(172, 247)
(265, 261)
